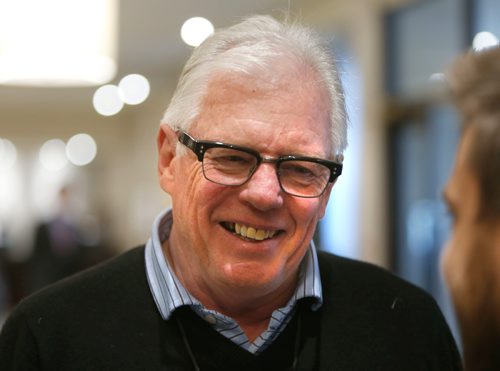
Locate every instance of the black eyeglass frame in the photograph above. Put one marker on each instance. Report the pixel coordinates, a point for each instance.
(199, 147)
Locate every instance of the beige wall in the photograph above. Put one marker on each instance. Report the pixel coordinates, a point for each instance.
(120, 186)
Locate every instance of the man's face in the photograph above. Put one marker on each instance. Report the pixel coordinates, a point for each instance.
(470, 255)
(275, 120)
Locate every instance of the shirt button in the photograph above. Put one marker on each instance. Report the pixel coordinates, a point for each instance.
(210, 318)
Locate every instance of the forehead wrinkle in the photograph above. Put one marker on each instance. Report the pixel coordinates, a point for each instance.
(292, 76)
(229, 92)
(237, 89)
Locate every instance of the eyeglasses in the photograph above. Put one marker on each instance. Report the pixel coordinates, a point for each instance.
(232, 165)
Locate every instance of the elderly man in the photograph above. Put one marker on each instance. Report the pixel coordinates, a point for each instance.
(249, 150)
(471, 261)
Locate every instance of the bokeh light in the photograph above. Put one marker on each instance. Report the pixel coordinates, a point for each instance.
(195, 30)
(133, 89)
(8, 154)
(81, 149)
(52, 155)
(437, 77)
(484, 40)
(107, 101)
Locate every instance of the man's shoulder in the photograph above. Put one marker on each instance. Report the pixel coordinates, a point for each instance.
(392, 323)
(107, 280)
(365, 281)
(95, 319)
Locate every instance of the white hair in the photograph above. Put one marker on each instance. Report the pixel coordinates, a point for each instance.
(256, 43)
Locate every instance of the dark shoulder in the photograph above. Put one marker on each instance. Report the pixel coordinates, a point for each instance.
(391, 323)
(96, 319)
(366, 282)
(108, 280)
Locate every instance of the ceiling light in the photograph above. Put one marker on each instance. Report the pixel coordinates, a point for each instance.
(195, 30)
(57, 42)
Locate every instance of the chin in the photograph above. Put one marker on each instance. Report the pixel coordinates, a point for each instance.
(250, 275)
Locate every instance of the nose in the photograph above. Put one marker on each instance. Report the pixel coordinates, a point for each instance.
(263, 190)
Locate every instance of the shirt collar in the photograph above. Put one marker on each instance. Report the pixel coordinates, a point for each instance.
(168, 292)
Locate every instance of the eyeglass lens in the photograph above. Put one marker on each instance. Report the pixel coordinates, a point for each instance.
(229, 166)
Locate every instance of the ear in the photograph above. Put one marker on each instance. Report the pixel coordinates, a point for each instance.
(166, 142)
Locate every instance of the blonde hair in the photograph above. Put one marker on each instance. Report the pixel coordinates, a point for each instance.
(474, 80)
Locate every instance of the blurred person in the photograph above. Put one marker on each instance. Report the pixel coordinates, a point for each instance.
(5, 295)
(249, 150)
(58, 249)
(471, 260)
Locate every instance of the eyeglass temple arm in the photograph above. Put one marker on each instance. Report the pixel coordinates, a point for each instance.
(335, 172)
(191, 143)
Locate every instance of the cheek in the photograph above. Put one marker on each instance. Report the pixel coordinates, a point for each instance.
(455, 260)
(189, 194)
(193, 204)
(455, 274)
(468, 272)
(308, 211)
(460, 265)
(187, 180)
(447, 262)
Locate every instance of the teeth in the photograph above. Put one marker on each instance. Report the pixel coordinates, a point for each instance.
(261, 234)
(252, 233)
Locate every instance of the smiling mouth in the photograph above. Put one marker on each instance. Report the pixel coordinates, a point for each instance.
(248, 233)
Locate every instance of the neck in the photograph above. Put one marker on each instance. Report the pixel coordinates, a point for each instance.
(251, 308)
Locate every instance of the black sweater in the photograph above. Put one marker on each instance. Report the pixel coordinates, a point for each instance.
(106, 319)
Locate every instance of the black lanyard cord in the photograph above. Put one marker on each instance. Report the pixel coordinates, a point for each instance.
(186, 344)
(296, 350)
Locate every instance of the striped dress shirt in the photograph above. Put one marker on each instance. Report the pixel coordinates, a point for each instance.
(169, 294)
